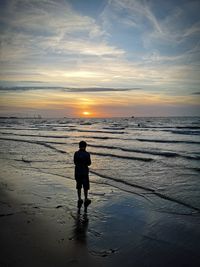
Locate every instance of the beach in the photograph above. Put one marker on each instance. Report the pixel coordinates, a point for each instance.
(40, 226)
(124, 225)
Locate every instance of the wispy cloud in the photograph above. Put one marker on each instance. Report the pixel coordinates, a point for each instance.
(100, 89)
(79, 46)
(177, 24)
(67, 89)
(46, 27)
(196, 93)
(51, 41)
(47, 18)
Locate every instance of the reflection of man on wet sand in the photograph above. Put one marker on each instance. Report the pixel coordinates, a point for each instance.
(82, 161)
(80, 228)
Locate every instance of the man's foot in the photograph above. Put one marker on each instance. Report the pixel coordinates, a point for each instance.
(80, 203)
(87, 202)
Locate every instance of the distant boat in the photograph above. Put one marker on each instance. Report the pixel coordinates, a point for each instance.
(132, 117)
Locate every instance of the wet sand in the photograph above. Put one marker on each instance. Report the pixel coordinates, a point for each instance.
(40, 226)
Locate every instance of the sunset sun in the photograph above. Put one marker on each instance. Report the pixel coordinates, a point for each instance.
(86, 113)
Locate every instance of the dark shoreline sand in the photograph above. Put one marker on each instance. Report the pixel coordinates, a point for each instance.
(40, 226)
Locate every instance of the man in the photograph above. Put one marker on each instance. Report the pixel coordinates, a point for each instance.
(82, 161)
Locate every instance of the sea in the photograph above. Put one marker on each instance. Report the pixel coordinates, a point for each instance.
(155, 158)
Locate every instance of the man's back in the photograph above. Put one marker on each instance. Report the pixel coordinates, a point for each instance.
(82, 161)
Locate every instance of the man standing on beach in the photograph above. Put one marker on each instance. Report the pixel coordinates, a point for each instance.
(82, 161)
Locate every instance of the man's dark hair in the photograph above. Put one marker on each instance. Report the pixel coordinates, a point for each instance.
(82, 144)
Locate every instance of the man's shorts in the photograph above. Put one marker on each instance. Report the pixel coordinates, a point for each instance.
(83, 182)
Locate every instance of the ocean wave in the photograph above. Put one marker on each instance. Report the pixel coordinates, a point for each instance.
(96, 131)
(37, 135)
(168, 141)
(120, 156)
(188, 127)
(60, 136)
(114, 128)
(167, 127)
(195, 157)
(196, 169)
(96, 137)
(86, 123)
(150, 152)
(188, 132)
(19, 129)
(46, 144)
(152, 191)
(57, 126)
(157, 153)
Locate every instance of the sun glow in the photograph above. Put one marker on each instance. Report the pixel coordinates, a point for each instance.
(86, 113)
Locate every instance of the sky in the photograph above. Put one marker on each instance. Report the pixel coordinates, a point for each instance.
(99, 58)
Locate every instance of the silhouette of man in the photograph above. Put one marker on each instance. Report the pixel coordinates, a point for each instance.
(82, 161)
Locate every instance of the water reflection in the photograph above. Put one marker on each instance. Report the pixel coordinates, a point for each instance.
(81, 227)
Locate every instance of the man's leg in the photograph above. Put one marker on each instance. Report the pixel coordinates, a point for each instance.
(79, 193)
(86, 187)
(86, 194)
(78, 187)
(80, 201)
(87, 200)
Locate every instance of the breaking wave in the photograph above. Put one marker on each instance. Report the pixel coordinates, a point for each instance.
(168, 141)
(152, 191)
(120, 156)
(160, 153)
(188, 132)
(46, 144)
(37, 135)
(97, 131)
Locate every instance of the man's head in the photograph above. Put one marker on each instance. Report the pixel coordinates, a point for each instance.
(82, 145)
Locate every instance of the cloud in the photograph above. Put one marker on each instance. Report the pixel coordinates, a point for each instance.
(100, 89)
(67, 89)
(46, 18)
(176, 26)
(79, 46)
(50, 41)
(196, 93)
(135, 14)
(42, 27)
(26, 88)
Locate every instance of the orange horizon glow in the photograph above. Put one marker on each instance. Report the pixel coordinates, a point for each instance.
(90, 105)
(90, 114)
(86, 113)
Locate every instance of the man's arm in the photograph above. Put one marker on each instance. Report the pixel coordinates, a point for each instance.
(89, 160)
(75, 158)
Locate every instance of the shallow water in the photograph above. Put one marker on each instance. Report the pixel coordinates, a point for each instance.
(157, 158)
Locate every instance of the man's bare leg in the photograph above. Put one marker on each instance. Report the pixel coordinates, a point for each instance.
(80, 201)
(79, 193)
(86, 194)
(87, 200)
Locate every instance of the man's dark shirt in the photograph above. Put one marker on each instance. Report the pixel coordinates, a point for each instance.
(82, 161)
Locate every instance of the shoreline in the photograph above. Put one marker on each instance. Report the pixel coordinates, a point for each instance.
(40, 226)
